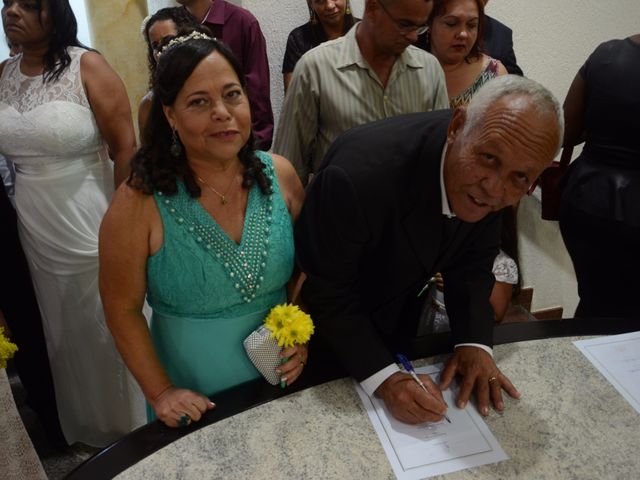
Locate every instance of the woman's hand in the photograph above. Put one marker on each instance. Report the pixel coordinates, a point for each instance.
(178, 407)
(291, 370)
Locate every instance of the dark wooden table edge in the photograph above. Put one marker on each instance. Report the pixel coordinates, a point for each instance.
(150, 438)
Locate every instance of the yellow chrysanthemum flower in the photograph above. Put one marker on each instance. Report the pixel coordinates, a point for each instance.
(289, 325)
(7, 349)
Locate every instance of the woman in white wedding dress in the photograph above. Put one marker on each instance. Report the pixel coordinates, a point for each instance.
(62, 109)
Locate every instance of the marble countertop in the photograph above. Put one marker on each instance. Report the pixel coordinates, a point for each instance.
(569, 423)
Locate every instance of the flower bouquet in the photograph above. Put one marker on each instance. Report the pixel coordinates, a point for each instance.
(285, 325)
(7, 349)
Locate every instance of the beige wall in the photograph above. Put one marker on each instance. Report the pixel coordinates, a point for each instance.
(115, 31)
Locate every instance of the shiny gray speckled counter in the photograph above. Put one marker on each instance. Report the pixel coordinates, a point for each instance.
(569, 424)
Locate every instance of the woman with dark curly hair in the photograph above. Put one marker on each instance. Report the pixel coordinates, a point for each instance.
(203, 227)
(163, 24)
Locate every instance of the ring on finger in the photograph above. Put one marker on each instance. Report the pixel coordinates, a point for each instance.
(493, 379)
(184, 421)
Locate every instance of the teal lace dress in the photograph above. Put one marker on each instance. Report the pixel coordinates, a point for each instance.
(208, 293)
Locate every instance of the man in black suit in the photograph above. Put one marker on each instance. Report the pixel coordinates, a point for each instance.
(498, 43)
(401, 199)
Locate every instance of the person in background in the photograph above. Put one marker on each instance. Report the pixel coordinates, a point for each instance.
(204, 229)
(372, 72)
(330, 19)
(8, 179)
(19, 308)
(401, 199)
(498, 43)
(62, 108)
(155, 28)
(240, 30)
(455, 38)
(506, 274)
(599, 208)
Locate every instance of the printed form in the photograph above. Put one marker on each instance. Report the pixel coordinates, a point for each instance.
(422, 451)
(617, 357)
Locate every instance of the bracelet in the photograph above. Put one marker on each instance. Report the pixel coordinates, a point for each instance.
(161, 393)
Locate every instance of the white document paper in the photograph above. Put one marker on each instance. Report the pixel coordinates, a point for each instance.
(422, 451)
(617, 357)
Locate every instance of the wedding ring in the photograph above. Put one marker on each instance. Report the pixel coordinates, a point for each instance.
(492, 379)
(185, 420)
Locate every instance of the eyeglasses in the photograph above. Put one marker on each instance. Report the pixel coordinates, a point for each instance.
(405, 27)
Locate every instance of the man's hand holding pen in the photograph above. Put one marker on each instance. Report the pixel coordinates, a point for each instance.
(408, 402)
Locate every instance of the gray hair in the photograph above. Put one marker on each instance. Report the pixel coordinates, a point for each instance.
(544, 102)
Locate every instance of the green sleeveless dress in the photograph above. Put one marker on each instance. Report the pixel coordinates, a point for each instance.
(208, 293)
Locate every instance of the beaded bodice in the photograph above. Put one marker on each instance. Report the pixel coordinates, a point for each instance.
(41, 123)
(200, 271)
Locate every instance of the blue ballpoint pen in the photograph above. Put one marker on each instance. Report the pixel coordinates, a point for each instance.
(406, 364)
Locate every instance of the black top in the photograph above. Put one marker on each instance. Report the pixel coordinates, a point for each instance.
(605, 179)
(612, 120)
(498, 43)
(304, 38)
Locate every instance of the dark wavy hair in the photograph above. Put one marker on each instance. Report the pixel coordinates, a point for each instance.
(180, 16)
(153, 168)
(64, 34)
(439, 7)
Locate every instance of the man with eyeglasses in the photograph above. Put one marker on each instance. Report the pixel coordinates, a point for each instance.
(371, 73)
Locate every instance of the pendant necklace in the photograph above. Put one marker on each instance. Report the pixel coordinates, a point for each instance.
(223, 196)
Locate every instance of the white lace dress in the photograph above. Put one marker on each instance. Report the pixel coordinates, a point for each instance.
(64, 182)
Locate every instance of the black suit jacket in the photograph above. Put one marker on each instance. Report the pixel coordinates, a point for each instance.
(369, 238)
(498, 43)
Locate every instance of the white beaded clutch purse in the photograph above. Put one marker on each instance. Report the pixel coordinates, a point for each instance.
(264, 352)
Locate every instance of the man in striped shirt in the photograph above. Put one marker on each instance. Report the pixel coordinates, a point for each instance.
(371, 73)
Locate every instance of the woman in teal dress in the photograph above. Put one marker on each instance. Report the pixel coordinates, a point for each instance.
(203, 228)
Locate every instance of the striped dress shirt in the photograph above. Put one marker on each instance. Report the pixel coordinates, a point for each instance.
(334, 89)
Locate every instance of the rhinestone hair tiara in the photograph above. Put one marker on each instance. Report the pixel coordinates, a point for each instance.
(195, 35)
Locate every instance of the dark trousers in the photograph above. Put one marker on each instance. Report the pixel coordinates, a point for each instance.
(20, 308)
(606, 258)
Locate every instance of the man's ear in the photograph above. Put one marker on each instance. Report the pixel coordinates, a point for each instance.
(456, 124)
